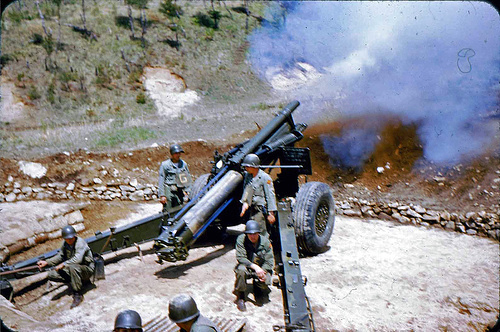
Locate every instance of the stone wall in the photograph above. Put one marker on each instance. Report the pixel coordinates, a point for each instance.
(472, 223)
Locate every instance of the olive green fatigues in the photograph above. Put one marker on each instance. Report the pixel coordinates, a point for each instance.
(260, 197)
(203, 324)
(248, 253)
(174, 181)
(78, 264)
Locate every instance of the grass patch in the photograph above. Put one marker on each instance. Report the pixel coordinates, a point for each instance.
(117, 136)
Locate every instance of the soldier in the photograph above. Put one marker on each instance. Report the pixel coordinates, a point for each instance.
(182, 310)
(128, 321)
(74, 264)
(258, 195)
(255, 260)
(174, 180)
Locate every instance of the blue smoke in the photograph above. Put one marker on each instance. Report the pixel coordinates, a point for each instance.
(432, 63)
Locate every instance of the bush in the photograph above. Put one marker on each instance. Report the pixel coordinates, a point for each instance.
(204, 20)
(141, 98)
(33, 93)
(19, 15)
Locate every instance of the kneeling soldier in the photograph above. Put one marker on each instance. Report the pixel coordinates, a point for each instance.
(255, 260)
(74, 264)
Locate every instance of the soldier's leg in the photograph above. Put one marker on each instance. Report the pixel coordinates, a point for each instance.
(262, 290)
(259, 217)
(242, 274)
(59, 276)
(240, 285)
(75, 273)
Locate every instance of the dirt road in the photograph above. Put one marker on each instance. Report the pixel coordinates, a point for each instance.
(376, 276)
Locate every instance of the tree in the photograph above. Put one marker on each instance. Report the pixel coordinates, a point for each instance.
(173, 13)
(58, 4)
(139, 4)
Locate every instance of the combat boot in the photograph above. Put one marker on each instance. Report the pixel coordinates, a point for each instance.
(240, 302)
(77, 299)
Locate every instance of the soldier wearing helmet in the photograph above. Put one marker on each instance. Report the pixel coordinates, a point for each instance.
(182, 310)
(174, 179)
(258, 196)
(128, 321)
(255, 260)
(74, 264)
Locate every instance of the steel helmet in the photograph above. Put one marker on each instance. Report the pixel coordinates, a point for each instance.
(176, 148)
(251, 160)
(252, 227)
(68, 232)
(182, 308)
(128, 319)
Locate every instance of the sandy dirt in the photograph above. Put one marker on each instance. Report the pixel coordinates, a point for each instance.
(376, 276)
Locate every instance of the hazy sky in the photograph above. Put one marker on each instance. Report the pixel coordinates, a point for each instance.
(433, 63)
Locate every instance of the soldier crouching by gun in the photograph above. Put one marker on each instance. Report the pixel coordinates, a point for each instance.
(74, 264)
(255, 260)
(174, 179)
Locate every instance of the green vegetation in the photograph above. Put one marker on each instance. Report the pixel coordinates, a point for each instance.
(118, 136)
(80, 64)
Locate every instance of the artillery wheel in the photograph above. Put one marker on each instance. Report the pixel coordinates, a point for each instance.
(198, 184)
(314, 215)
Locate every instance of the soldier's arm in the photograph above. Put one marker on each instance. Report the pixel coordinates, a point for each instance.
(268, 258)
(161, 181)
(58, 258)
(241, 253)
(270, 195)
(188, 188)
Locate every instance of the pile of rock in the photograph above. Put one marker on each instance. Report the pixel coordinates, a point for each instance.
(472, 223)
(94, 189)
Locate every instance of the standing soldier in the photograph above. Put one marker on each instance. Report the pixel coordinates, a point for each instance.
(74, 264)
(255, 260)
(128, 321)
(174, 180)
(258, 195)
(182, 310)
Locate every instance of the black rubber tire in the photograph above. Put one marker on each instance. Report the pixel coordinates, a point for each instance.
(198, 185)
(314, 217)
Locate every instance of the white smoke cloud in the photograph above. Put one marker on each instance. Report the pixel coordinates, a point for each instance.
(433, 63)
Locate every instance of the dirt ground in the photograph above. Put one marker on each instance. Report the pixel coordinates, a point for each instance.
(376, 276)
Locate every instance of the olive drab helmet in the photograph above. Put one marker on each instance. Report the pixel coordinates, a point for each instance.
(176, 148)
(251, 160)
(252, 227)
(182, 308)
(68, 232)
(128, 319)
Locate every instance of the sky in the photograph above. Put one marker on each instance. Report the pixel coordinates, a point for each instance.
(435, 64)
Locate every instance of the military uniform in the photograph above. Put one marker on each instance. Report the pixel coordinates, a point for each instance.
(202, 324)
(246, 254)
(260, 197)
(174, 181)
(78, 264)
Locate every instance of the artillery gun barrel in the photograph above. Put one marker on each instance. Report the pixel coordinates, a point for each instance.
(267, 132)
(171, 246)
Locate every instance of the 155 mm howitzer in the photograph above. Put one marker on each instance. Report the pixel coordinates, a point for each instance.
(215, 196)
